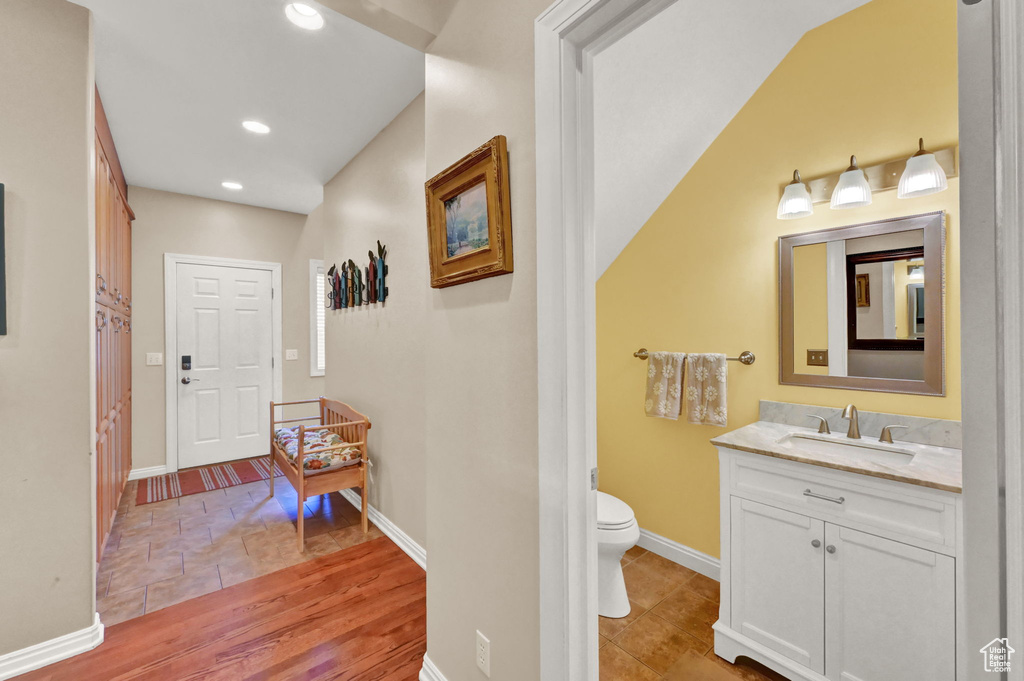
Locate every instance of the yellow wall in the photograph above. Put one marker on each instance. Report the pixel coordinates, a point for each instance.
(810, 304)
(710, 249)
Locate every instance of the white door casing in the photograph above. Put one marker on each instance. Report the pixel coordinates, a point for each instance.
(225, 328)
(229, 314)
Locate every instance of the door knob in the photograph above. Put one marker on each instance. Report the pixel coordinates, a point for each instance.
(830, 548)
(815, 543)
(187, 380)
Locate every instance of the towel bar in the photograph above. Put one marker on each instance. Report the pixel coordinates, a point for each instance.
(746, 357)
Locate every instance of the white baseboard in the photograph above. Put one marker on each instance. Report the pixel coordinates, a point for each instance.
(151, 472)
(684, 555)
(41, 654)
(393, 532)
(430, 672)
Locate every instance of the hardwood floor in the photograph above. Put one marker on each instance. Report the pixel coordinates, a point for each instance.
(356, 614)
(667, 635)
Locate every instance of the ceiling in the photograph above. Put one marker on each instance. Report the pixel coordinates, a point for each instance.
(664, 93)
(177, 79)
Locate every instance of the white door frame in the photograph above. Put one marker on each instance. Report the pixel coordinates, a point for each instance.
(567, 36)
(171, 262)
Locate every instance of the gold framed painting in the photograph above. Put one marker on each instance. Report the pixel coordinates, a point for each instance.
(469, 218)
(863, 290)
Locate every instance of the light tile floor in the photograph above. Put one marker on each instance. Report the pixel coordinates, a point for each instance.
(667, 635)
(166, 552)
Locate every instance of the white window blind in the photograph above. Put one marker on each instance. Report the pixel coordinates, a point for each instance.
(317, 318)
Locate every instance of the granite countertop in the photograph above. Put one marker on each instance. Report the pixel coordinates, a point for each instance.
(936, 467)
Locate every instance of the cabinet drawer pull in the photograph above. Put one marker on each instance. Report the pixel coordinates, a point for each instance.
(830, 548)
(834, 500)
(816, 543)
(101, 284)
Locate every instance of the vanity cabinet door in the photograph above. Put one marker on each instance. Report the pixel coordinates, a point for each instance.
(889, 610)
(777, 581)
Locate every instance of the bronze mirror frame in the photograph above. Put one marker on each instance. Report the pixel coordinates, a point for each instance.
(934, 383)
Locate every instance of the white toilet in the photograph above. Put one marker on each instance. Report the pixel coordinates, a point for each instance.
(617, 532)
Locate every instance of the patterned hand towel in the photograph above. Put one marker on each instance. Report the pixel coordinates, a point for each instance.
(706, 377)
(664, 384)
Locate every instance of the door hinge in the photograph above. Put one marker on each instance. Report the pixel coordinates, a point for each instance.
(593, 478)
(271, 362)
(271, 293)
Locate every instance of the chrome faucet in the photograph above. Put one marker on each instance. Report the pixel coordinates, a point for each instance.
(851, 413)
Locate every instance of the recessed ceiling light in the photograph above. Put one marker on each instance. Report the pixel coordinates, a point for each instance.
(231, 185)
(304, 16)
(256, 127)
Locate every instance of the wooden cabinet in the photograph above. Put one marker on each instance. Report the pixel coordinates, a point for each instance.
(113, 331)
(849, 577)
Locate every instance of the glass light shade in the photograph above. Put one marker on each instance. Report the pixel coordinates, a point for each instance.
(922, 176)
(796, 200)
(853, 190)
(304, 16)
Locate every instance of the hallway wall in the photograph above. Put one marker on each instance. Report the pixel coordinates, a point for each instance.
(375, 354)
(177, 223)
(47, 403)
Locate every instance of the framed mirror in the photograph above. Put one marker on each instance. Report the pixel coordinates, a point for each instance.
(861, 307)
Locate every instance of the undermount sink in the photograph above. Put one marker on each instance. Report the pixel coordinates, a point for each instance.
(840, 445)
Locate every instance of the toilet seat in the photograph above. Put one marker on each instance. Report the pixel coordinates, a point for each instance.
(613, 514)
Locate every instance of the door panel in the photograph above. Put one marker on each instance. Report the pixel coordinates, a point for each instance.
(890, 610)
(778, 581)
(224, 323)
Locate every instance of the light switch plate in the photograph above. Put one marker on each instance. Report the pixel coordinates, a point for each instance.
(817, 358)
(154, 359)
(291, 354)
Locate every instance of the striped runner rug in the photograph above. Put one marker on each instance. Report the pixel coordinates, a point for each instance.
(205, 479)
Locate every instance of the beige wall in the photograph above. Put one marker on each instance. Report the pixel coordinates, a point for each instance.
(46, 138)
(376, 354)
(481, 349)
(176, 223)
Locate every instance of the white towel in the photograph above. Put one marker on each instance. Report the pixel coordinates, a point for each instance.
(664, 384)
(706, 380)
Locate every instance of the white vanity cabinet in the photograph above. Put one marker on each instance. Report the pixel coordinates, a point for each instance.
(828, 574)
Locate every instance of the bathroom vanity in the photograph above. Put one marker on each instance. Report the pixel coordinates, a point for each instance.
(839, 556)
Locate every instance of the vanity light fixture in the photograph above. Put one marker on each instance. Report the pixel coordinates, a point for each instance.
(853, 190)
(922, 176)
(256, 127)
(304, 16)
(796, 200)
(234, 186)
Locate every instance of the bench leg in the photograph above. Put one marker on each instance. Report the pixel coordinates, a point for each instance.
(299, 522)
(271, 472)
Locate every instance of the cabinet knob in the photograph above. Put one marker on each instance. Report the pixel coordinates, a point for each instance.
(830, 548)
(816, 543)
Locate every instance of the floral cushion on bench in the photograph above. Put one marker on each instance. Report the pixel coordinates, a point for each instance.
(288, 441)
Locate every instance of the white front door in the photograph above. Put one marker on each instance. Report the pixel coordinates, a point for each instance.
(225, 338)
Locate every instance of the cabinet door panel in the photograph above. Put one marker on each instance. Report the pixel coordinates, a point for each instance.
(889, 610)
(778, 581)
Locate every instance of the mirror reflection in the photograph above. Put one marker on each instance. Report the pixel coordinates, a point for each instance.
(857, 304)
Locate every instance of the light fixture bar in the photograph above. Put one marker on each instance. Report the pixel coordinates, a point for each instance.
(881, 177)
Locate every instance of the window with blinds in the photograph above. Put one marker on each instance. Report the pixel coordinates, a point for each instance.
(317, 318)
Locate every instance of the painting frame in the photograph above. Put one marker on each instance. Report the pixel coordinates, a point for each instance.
(863, 290)
(460, 251)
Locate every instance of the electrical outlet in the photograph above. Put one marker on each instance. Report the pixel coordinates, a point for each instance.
(291, 354)
(154, 359)
(817, 358)
(483, 654)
